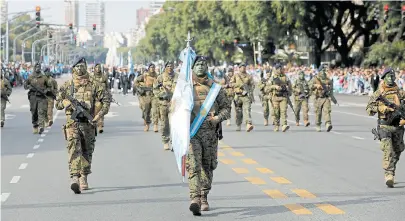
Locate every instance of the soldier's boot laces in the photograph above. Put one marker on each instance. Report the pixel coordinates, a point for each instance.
(195, 207)
(50, 123)
(276, 128)
(74, 185)
(249, 127)
(41, 130)
(35, 130)
(2, 124)
(204, 204)
(83, 182)
(285, 128)
(228, 122)
(318, 128)
(166, 146)
(328, 127)
(389, 180)
(306, 123)
(266, 122)
(155, 128)
(238, 128)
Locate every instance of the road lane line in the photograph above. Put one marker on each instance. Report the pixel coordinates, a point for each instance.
(264, 170)
(275, 194)
(249, 161)
(298, 209)
(30, 155)
(240, 170)
(23, 166)
(225, 147)
(46, 131)
(330, 209)
(15, 179)
(358, 138)
(303, 193)
(40, 140)
(255, 180)
(43, 135)
(36, 147)
(335, 132)
(280, 180)
(227, 161)
(237, 154)
(4, 197)
(220, 154)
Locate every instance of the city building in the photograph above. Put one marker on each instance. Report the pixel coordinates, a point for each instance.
(72, 12)
(4, 10)
(95, 14)
(156, 6)
(141, 15)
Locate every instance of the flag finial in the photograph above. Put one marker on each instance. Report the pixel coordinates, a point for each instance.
(189, 39)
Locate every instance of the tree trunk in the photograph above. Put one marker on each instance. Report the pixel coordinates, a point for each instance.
(344, 54)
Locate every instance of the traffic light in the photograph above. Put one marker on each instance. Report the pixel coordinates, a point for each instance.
(403, 12)
(94, 27)
(386, 10)
(70, 26)
(38, 16)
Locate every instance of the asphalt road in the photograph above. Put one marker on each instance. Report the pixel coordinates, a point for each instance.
(262, 175)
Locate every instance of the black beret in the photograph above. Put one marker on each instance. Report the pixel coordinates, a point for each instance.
(78, 61)
(242, 64)
(386, 71)
(168, 62)
(199, 58)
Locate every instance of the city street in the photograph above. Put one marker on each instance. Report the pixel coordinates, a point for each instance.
(262, 175)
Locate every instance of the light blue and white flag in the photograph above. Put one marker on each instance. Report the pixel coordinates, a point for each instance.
(130, 63)
(181, 106)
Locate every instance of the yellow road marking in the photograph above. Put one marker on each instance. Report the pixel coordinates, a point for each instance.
(255, 180)
(330, 209)
(303, 193)
(220, 154)
(240, 170)
(264, 170)
(249, 161)
(280, 180)
(298, 209)
(275, 194)
(227, 161)
(237, 154)
(225, 147)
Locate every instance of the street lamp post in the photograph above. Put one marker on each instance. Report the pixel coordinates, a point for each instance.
(23, 44)
(15, 41)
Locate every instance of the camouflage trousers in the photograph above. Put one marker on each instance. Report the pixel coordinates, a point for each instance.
(38, 108)
(268, 109)
(280, 110)
(3, 109)
(164, 107)
(51, 104)
(100, 122)
(150, 108)
(298, 104)
(392, 145)
(202, 161)
(243, 108)
(322, 107)
(81, 142)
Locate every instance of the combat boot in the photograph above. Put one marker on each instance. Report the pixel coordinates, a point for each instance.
(166, 146)
(318, 128)
(249, 127)
(155, 128)
(238, 128)
(195, 207)
(328, 127)
(276, 128)
(266, 122)
(100, 130)
(50, 123)
(74, 185)
(204, 204)
(297, 123)
(146, 127)
(285, 128)
(41, 130)
(228, 122)
(389, 180)
(2, 124)
(83, 182)
(35, 130)
(306, 123)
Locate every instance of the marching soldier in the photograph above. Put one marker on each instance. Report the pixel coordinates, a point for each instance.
(6, 90)
(163, 89)
(39, 87)
(229, 93)
(266, 100)
(301, 96)
(211, 107)
(51, 100)
(147, 101)
(99, 78)
(390, 128)
(243, 85)
(80, 132)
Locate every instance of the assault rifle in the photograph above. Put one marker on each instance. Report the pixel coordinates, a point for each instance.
(47, 94)
(399, 110)
(218, 129)
(326, 93)
(142, 90)
(284, 91)
(304, 94)
(78, 109)
(114, 101)
(5, 98)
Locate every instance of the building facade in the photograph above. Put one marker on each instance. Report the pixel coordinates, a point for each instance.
(4, 10)
(95, 14)
(72, 12)
(141, 15)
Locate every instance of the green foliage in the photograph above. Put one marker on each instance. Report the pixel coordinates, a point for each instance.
(386, 53)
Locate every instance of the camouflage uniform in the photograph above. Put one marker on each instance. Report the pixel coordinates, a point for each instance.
(79, 133)
(242, 99)
(229, 93)
(301, 94)
(390, 130)
(163, 89)
(101, 79)
(266, 102)
(202, 155)
(147, 100)
(51, 101)
(38, 102)
(280, 89)
(322, 102)
(6, 90)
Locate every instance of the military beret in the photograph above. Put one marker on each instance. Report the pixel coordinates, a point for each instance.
(169, 62)
(199, 58)
(151, 64)
(386, 71)
(278, 66)
(79, 61)
(242, 64)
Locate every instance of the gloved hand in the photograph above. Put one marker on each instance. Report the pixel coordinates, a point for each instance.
(214, 121)
(384, 109)
(402, 122)
(66, 103)
(96, 118)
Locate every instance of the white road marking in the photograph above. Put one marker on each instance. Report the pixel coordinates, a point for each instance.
(43, 135)
(4, 197)
(25, 106)
(134, 103)
(335, 132)
(30, 155)
(56, 115)
(46, 131)
(10, 116)
(23, 166)
(357, 115)
(36, 147)
(40, 140)
(111, 114)
(358, 138)
(15, 179)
